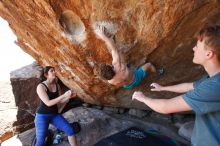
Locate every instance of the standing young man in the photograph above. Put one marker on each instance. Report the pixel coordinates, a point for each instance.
(202, 96)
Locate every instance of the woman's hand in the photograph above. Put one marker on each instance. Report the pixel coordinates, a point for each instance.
(156, 87)
(68, 94)
(73, 94)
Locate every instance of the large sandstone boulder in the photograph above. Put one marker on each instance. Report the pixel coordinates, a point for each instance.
(61, 33)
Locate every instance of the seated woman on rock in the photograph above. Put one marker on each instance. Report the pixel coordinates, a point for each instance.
(49, 93)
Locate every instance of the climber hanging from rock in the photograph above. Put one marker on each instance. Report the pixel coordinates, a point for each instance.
(118, 73)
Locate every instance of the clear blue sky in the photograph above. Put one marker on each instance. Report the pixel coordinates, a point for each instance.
(11, 56)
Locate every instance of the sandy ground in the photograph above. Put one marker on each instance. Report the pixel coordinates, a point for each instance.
(8, 110)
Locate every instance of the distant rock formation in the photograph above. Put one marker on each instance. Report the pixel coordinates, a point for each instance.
(24, 82)
(60, 33)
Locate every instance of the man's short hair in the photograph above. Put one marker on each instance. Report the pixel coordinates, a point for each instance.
(210, 33)
(106, 71)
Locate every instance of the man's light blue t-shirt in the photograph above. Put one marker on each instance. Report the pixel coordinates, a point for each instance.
(204, 99)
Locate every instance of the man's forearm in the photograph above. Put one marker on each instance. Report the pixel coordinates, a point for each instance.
(157, 105)
(180, 88)
(167, 106)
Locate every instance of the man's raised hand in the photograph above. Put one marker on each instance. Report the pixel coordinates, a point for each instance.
(102, 33)
(156, 87)
(138, 95)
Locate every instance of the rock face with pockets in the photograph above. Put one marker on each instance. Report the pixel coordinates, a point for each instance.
(60, 33)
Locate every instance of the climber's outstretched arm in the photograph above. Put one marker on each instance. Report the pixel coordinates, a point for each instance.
(117, 58)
